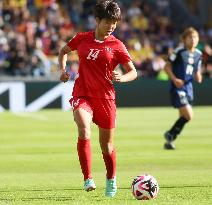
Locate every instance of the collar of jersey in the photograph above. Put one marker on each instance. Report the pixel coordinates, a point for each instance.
(98, 41)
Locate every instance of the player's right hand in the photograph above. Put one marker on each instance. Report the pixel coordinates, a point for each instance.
(64, 77)
(178, 83)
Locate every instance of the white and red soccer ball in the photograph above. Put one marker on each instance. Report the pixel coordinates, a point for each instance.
(145, 187)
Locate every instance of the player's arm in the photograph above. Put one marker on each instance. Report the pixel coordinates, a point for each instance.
(168, 69)
(131, 73)
(198, 74)
(62, 58)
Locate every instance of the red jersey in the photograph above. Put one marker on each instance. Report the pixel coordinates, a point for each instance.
(97, 61)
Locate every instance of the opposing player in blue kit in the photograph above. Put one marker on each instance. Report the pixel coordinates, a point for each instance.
(183, 65)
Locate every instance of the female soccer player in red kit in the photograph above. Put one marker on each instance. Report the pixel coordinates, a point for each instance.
(93, 93)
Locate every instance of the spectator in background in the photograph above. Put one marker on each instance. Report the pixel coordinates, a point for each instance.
(53, 22)
(44, 64)
(3, 50)
(163, 7)
(207, 60)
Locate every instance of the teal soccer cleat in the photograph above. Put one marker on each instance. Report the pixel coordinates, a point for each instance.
(111, 187)
(89, 185)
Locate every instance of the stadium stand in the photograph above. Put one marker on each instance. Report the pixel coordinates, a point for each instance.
(33, 31)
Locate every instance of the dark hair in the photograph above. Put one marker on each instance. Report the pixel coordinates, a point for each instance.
(107, 9)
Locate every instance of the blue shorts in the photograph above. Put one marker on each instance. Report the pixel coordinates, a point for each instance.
(180, 98)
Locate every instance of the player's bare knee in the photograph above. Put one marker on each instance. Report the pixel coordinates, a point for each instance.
(84, 132)
(107, 148)
(189, 117)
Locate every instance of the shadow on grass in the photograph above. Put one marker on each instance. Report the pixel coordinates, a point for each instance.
(61, 198)
(39, 190)
(73, 198)
(80, 189)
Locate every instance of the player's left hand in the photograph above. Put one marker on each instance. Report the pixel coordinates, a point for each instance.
(117, 77)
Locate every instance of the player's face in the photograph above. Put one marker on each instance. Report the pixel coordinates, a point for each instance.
(106, 26)
(191, 41)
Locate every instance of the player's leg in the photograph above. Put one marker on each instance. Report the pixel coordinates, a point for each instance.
(185, 115)
(186, 112)
(109, 156)
(105, 117)
(83, 117)
(180, 100)
(108, 151)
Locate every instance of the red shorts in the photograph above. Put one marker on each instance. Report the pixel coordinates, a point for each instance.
(102, 110)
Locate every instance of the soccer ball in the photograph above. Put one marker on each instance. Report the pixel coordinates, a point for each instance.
(145, 187)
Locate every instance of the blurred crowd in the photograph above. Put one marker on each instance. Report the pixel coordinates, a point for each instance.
(33, 31)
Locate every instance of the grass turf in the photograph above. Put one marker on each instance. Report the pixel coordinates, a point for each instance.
(39, 163)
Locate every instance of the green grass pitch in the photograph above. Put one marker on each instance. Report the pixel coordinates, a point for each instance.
(39, 163)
